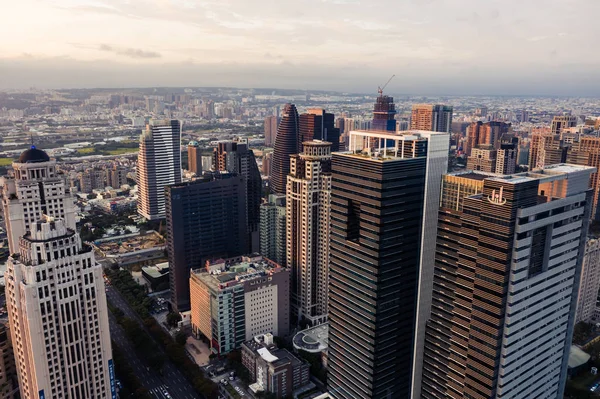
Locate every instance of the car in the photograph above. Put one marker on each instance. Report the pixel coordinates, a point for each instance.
(231, 378)
(595, 387)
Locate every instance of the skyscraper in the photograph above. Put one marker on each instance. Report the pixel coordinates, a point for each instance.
(159, 164)
(431, 117)
(194, 158)
(271, 123)
(55, 292)
(384, 201)
(286, 144)
(308, 203)
(236, 157)
(317, 124)
(273, 229)
(384, 113)
(9, 384)
(559, 123)
(506, 161)
(589, 286)
(206, 218)
(485, 134)
(507, 267)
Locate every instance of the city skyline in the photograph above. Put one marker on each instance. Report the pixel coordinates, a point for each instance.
(433, 47)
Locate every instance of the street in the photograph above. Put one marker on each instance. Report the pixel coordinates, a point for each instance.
(172, 380)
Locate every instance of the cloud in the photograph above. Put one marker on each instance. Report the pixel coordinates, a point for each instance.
(129, 52)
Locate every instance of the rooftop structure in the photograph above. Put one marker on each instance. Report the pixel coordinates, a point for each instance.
(314, 339)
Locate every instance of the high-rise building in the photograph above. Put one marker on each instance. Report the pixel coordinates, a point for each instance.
(485, 134)
(273, 229)
(384, 114)
(116, 177)
(267, 161)
(9, 384)
(546, 149)
(384, 201)
(506, 159)
(431, 117)
(308, 203)
(234, 300)
(589, 286)
(271, 123)
(194, 158)
(317, 124)
(55, 292)
(286, 144)
(236, 157)
(587, 152)
(159, 164)
(507, 268)
(559, 123)
(206, 219)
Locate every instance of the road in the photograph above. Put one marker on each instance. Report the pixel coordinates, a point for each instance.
(172, 380)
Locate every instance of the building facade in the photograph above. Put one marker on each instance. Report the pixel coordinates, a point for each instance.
(384, 114)
(381, 267)
(507, 268)
(559, 123)
(159, 164)
(271, 123)
(317, 124)
(234, 300)
(194, 158)
(589, 287)
(206, 219)
(308, 203)
(287, 143)
(54, 288)
(9, 383)
(273, 229)
(431, 117)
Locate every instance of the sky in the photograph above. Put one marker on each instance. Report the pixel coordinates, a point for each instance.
(507, 47)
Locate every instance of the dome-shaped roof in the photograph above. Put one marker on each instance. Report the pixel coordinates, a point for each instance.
(33, 155)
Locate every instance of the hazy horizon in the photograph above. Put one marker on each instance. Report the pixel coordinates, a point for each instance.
(435, 47)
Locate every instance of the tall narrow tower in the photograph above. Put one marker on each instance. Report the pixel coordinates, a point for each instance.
(308, 203)
(286, 144)
(55, 292)
(159, 164)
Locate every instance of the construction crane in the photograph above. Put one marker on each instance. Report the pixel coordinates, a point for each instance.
(380, 89)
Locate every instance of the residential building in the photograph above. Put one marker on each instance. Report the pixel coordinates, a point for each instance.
(54, 288)
(267, 160)
(159, 164)
(233, 300)
(559, 123)
(286, 144)
(194, 158)
(273, 229)
(271, 123)
(116, 177)
(9, 384)
(92, 179)
(589, 286)
(381, 263)
(483, 159)
(273, 370)
(481, 134)
(507, 155)
(236, 157)
(317, 124)
(308, 203)
(507, 270)
(431, 117)
(206, 219)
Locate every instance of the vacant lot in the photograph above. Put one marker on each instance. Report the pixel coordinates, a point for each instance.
(6, 161)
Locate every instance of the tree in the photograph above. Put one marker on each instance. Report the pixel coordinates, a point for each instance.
(173, 318)
(181, 338)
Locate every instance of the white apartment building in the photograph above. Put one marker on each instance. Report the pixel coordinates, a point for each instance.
(55, 292)
(308, 199)
(589, 284)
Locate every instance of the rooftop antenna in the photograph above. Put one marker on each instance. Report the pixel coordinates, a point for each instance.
(31, 138)
(380, 89)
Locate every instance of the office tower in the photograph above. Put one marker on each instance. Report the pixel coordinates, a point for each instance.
(384, 113)
(92, 179)
(589, 285)
(559, 123)
(340, 124)
(271, 123)
(54, 289)
(432, 117)
(273, 229)
(508, 262)
(308, 203)
(207, 162)
(384, 202)
(349, 125)
(317, 124)
(116, 177)
(483, 159)
(236, 157)
(286, 144)
(194, 158)
(206, 219)
(159, 164)
(506, 158)
(9, 384)
(234, 300)
(402, 126)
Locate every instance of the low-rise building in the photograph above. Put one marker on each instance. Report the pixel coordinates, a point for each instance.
(274, 370)
(233, 300)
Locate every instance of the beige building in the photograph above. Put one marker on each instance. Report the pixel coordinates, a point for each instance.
(589, 284)
(308, 199)
(54, 288)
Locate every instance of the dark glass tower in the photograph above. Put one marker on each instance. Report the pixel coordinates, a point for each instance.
(383, 114)
(317, 124)
(206, 219)
(286, 143)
